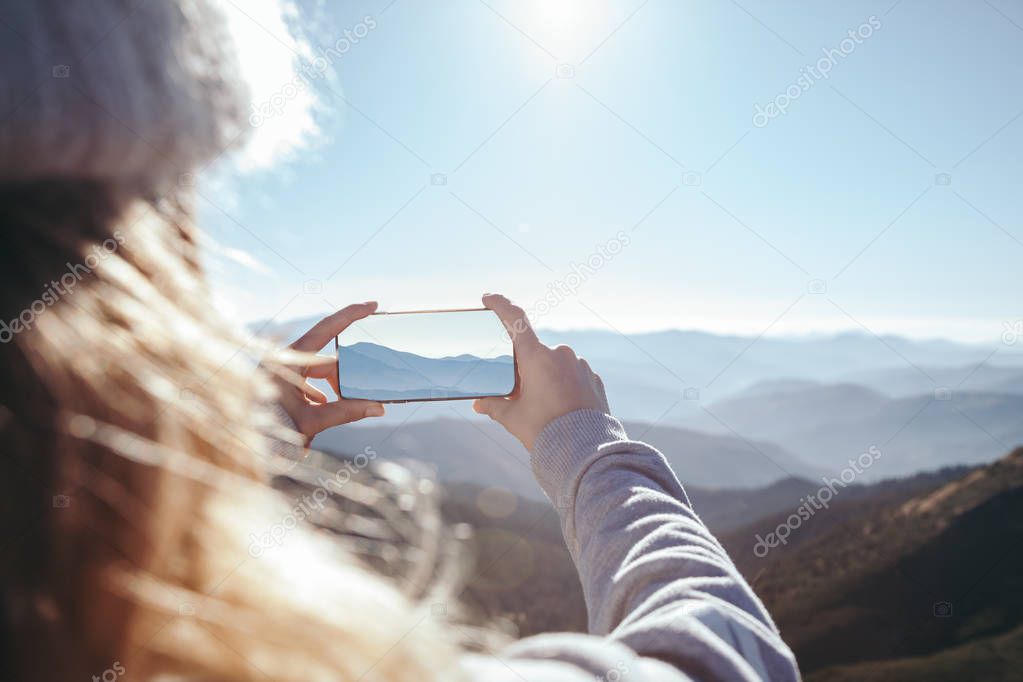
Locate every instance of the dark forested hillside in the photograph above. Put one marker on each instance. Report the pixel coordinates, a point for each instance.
(895, 580)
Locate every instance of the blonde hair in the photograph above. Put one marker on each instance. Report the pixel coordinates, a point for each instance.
(135, 444)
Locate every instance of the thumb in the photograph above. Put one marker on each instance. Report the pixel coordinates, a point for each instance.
(320, 417)
(495, 408)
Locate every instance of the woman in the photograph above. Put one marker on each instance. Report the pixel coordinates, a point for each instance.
(134, 443)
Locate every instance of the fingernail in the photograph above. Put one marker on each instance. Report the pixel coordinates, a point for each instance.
(375, 411)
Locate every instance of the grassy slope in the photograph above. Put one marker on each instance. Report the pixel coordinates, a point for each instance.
(991, 658)
(867, 590)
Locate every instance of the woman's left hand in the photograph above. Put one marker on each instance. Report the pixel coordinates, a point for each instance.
(308, 406)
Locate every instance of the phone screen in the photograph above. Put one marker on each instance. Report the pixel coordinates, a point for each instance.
(435, 355)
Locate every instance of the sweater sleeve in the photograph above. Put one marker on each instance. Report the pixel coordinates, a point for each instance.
(664, 600)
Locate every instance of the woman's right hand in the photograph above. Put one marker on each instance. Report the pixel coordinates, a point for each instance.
(552, 381)
(307, 406)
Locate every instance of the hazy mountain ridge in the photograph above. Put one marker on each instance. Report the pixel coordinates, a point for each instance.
(646, 372)
(773, 409)
(722, 460)
(398, 358)
(375, 371)
(904, 381)
(728, 364)
(828, 424)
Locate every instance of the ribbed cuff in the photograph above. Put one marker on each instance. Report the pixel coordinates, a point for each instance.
(566, 443)
(284, 437)
(281, 415)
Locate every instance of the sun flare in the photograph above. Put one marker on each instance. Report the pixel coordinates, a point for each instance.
(567, 27)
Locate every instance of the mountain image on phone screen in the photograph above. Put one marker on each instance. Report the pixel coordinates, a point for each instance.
(426, 356)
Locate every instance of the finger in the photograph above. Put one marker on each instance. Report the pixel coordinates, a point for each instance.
(291, 382)
(314, 394)
(324, 367)
(320, 417)
(515, 321)
(332, 325)
(596, 382)
(495, 408)
(602, 392)
(565, 352)
(321, 367)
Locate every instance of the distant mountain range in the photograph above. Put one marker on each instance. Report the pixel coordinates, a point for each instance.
(369, 370)
(808, 403)
(644, 370)
(826, 424)
(906, 381)
(719, 366)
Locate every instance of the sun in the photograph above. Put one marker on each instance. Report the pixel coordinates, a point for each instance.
(566, 27)
(559, 14)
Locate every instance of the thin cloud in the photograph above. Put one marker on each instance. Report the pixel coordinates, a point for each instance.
(283, 107)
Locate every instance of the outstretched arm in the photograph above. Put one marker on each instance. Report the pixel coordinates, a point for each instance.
(653, 576)
(661, 593)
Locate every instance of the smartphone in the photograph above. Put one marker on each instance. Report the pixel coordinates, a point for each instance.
(425, 355)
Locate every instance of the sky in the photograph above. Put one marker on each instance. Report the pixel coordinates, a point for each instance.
(737, 167)
(434, 335)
